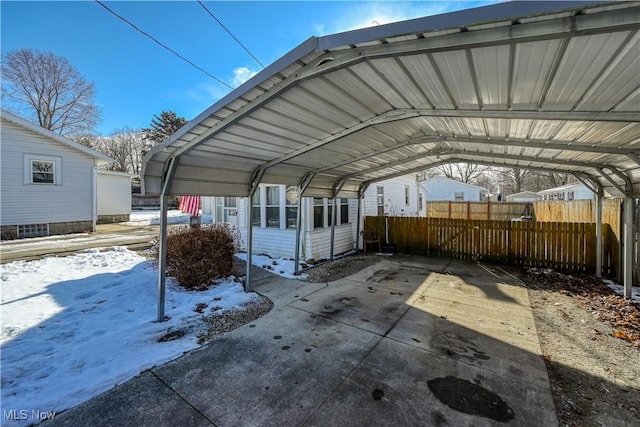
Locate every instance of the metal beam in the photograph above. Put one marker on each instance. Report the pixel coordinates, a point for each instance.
(336, 189)
(628, 186)
(409, 113)
(162, 256)
(302, 186)
(629, 241)
(482, 155)
(254, 183)
(594, 185)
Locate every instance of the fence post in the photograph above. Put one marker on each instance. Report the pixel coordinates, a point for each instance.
(449, 207)
(468, 210)
(488, 210)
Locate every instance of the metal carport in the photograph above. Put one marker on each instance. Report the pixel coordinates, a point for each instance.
(539, 85)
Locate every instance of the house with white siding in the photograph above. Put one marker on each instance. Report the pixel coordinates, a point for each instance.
(401, 196)
(446, 189)
(275, 212)
(48, 182)
(575, 191)
(524, 196)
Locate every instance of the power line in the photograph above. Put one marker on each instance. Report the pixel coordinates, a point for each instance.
(164, 46)
(230, 33)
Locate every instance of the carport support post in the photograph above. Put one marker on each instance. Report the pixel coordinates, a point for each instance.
(358, 215)
(628, 246)
(302, 186)
(599, 233)
(162, 261)
(162, 255)
(333, 227)
(247, 277)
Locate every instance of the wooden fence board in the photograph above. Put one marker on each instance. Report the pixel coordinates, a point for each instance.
(563, 246)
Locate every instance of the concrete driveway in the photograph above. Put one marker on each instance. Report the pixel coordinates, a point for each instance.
(407, 341)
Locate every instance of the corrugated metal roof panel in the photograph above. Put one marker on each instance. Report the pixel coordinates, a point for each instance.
(506, 84)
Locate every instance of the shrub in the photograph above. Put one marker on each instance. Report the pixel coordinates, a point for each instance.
(197, 256)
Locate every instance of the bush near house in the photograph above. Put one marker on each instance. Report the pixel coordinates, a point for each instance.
(198, 256)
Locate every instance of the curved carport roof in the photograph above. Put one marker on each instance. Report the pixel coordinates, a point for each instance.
(539, 85)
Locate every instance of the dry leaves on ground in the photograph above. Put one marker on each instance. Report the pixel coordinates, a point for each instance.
(600, 300)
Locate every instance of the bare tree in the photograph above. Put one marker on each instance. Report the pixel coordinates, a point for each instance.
(125, 146)
(465, 172)
(47, 89)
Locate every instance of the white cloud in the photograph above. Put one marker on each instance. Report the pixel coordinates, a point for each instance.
(241, 75)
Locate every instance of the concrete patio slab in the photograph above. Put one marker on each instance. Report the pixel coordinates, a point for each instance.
(144, 400)
(376, 394)
(276, 373)
(403, 342)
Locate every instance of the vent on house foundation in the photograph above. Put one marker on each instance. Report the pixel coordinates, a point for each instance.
(33, 230)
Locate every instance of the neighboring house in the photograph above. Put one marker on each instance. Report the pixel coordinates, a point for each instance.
(445, 189)
(275, 210)
(401, 196)
(274, 219)
(524, 196)
(575, 191)
(48, 182)
(114, 196)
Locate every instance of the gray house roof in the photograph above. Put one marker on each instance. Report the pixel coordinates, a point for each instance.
(539, 85)
(102, 159)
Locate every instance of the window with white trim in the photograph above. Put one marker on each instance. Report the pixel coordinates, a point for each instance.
(42, 170)
(272, 211)
(318, 213)
(343, 211)
(406, 195)
(420, 201)
(255, 206)
(459, 195)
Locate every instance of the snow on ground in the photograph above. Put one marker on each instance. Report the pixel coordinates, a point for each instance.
(281, 266)
(152, 217)
(76, 326)
(619, 289)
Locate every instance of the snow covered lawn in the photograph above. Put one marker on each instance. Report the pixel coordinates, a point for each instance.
(76, 326)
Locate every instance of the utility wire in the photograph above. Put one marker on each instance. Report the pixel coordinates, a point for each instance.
(164, 46)
(231, 34)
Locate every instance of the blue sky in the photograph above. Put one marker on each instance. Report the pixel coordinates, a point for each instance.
(135, 78)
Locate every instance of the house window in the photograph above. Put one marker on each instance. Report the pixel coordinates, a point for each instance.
(571, 195)
(42, 169)
(459, 195)
(292, 207)
(230, 208)
(406, 195)
(380, 200)
(273, 207)
(420, 201)
(255, 220)
(318, 217)
(344, 211)
(329, 213)
(33, 230)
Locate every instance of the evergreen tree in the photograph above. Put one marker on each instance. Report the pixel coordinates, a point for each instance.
(163, 126)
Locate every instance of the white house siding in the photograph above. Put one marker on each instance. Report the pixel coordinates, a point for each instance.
(394, 197)
(70, 200)
(444, 189)
(114, 196)
(575, 191)
(281, 242)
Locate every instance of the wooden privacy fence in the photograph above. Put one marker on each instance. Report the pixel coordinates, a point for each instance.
(564, 246)
(500, 211)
